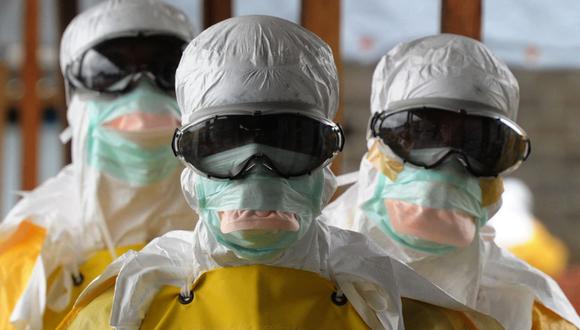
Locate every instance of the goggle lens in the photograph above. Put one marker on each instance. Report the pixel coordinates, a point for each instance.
(289, 144)
(113, 66)
(425, 137)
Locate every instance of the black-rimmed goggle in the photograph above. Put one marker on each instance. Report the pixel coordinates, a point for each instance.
(231, 146)
(115, 66)
(487, 146)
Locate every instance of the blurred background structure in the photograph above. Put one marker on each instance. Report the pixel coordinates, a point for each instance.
(540, 40)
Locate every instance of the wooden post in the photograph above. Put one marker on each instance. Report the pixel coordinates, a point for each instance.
(30, 105)
(66, 11)
(323, 18)
(461, 17)
(3, 119)
(216, 11)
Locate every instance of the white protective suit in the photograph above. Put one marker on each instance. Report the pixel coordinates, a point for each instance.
(451, 72)
(254, 60)
(82, 210)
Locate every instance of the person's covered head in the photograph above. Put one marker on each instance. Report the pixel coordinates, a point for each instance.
(442, 133)
(257, 95)
(119, 60)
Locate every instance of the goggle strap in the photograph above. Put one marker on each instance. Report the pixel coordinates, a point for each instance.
(373, 123)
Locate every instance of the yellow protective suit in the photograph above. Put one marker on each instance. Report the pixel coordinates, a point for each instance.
(89, 270)
(420, 315)
(18, 255)
(258, 297)
(544, 319)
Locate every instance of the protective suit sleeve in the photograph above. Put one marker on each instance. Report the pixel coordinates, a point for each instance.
(18, 255)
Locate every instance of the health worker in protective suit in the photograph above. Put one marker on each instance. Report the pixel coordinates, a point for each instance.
(257, 94)
(122, 188)
(442, 133)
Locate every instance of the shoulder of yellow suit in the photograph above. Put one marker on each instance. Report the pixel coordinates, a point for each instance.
(18, 256)
(263, 293)
(217, 312)
(90, 269)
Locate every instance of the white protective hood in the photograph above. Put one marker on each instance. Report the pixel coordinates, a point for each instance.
(444, 71)
(239, 62)
(452, 72)
(117, 18)
(256, 62)
(81, 209)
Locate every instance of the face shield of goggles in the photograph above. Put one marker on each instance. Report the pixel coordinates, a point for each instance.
(486, 145)
(231, 146)
(116, 65)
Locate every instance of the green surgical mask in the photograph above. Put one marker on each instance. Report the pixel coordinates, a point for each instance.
(138, 158)
(260, 192)
(449, 187)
